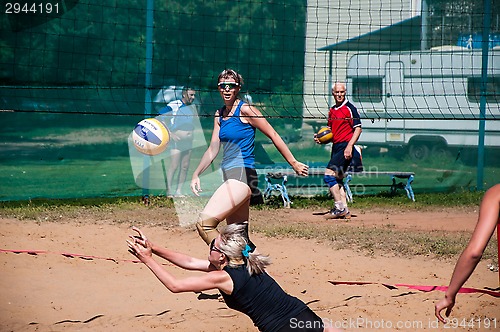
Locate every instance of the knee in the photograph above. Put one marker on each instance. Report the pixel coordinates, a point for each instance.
(330, 180)
(185, 165)
(207, 227)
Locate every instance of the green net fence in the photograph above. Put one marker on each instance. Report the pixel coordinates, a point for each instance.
(76, 76)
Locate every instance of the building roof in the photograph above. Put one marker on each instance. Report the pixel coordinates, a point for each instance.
(401, 36)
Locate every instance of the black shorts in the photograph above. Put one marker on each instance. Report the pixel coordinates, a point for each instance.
(340, 165)
(306, 321)
(248, 176)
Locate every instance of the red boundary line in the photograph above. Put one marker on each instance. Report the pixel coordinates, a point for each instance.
(70, 255)
(422, 288)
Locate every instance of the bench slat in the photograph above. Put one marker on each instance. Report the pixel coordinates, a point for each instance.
(321, 171)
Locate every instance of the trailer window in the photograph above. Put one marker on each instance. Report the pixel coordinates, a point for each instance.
(367, 89)
(492, 89)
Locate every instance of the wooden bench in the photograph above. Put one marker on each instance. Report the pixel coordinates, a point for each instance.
(277, 180)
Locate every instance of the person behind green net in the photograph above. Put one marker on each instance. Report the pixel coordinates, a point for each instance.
(178, 116)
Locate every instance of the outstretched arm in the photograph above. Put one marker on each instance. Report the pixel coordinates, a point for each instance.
(256, 119)
(181, 260)
(215, 279)
(470, 257)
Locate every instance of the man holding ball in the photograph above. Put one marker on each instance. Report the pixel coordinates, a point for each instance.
(345, 124)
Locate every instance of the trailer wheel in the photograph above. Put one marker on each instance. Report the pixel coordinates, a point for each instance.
(418, 152)
(441, 152)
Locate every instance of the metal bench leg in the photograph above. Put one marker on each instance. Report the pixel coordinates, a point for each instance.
(284, 193)
(269, 188)
(348, 193)
(281, 188)
(394, 186)
(409, 189)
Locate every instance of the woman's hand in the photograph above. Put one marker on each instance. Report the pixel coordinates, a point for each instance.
(195, 185)
(139, 245)
(300, 168)
(445, 303)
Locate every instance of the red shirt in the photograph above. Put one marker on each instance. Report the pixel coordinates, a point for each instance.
(342, 120)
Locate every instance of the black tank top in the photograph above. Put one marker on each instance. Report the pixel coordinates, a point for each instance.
(261, 298)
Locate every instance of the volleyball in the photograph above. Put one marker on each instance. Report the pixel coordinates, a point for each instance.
(324, 135)
(150, 137)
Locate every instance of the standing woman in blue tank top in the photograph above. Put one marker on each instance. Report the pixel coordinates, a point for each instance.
(235, 125)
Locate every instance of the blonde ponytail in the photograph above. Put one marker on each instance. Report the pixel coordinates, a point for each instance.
(234, 244)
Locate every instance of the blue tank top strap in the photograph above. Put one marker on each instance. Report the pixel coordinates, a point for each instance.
(237, 111)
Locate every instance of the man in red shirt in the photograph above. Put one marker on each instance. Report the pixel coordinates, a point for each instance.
(345, 123)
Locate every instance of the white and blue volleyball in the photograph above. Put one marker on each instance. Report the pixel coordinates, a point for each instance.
(150, 137)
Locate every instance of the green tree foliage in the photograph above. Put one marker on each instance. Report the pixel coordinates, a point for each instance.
(92, 43)
(450, 18)
(102, 43)
(195, 40)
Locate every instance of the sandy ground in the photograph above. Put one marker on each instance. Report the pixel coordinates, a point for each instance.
(54, 292)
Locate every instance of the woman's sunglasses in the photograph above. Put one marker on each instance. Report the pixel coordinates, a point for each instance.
(227, 85)
(213, 247)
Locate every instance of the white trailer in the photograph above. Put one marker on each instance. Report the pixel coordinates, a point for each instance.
(427, 101)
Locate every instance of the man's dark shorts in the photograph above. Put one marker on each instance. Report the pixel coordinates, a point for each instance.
(341, 165)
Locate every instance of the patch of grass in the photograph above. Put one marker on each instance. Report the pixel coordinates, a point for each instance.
(385, 200)
(36, 209)
(379, 240)
(382, 240)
